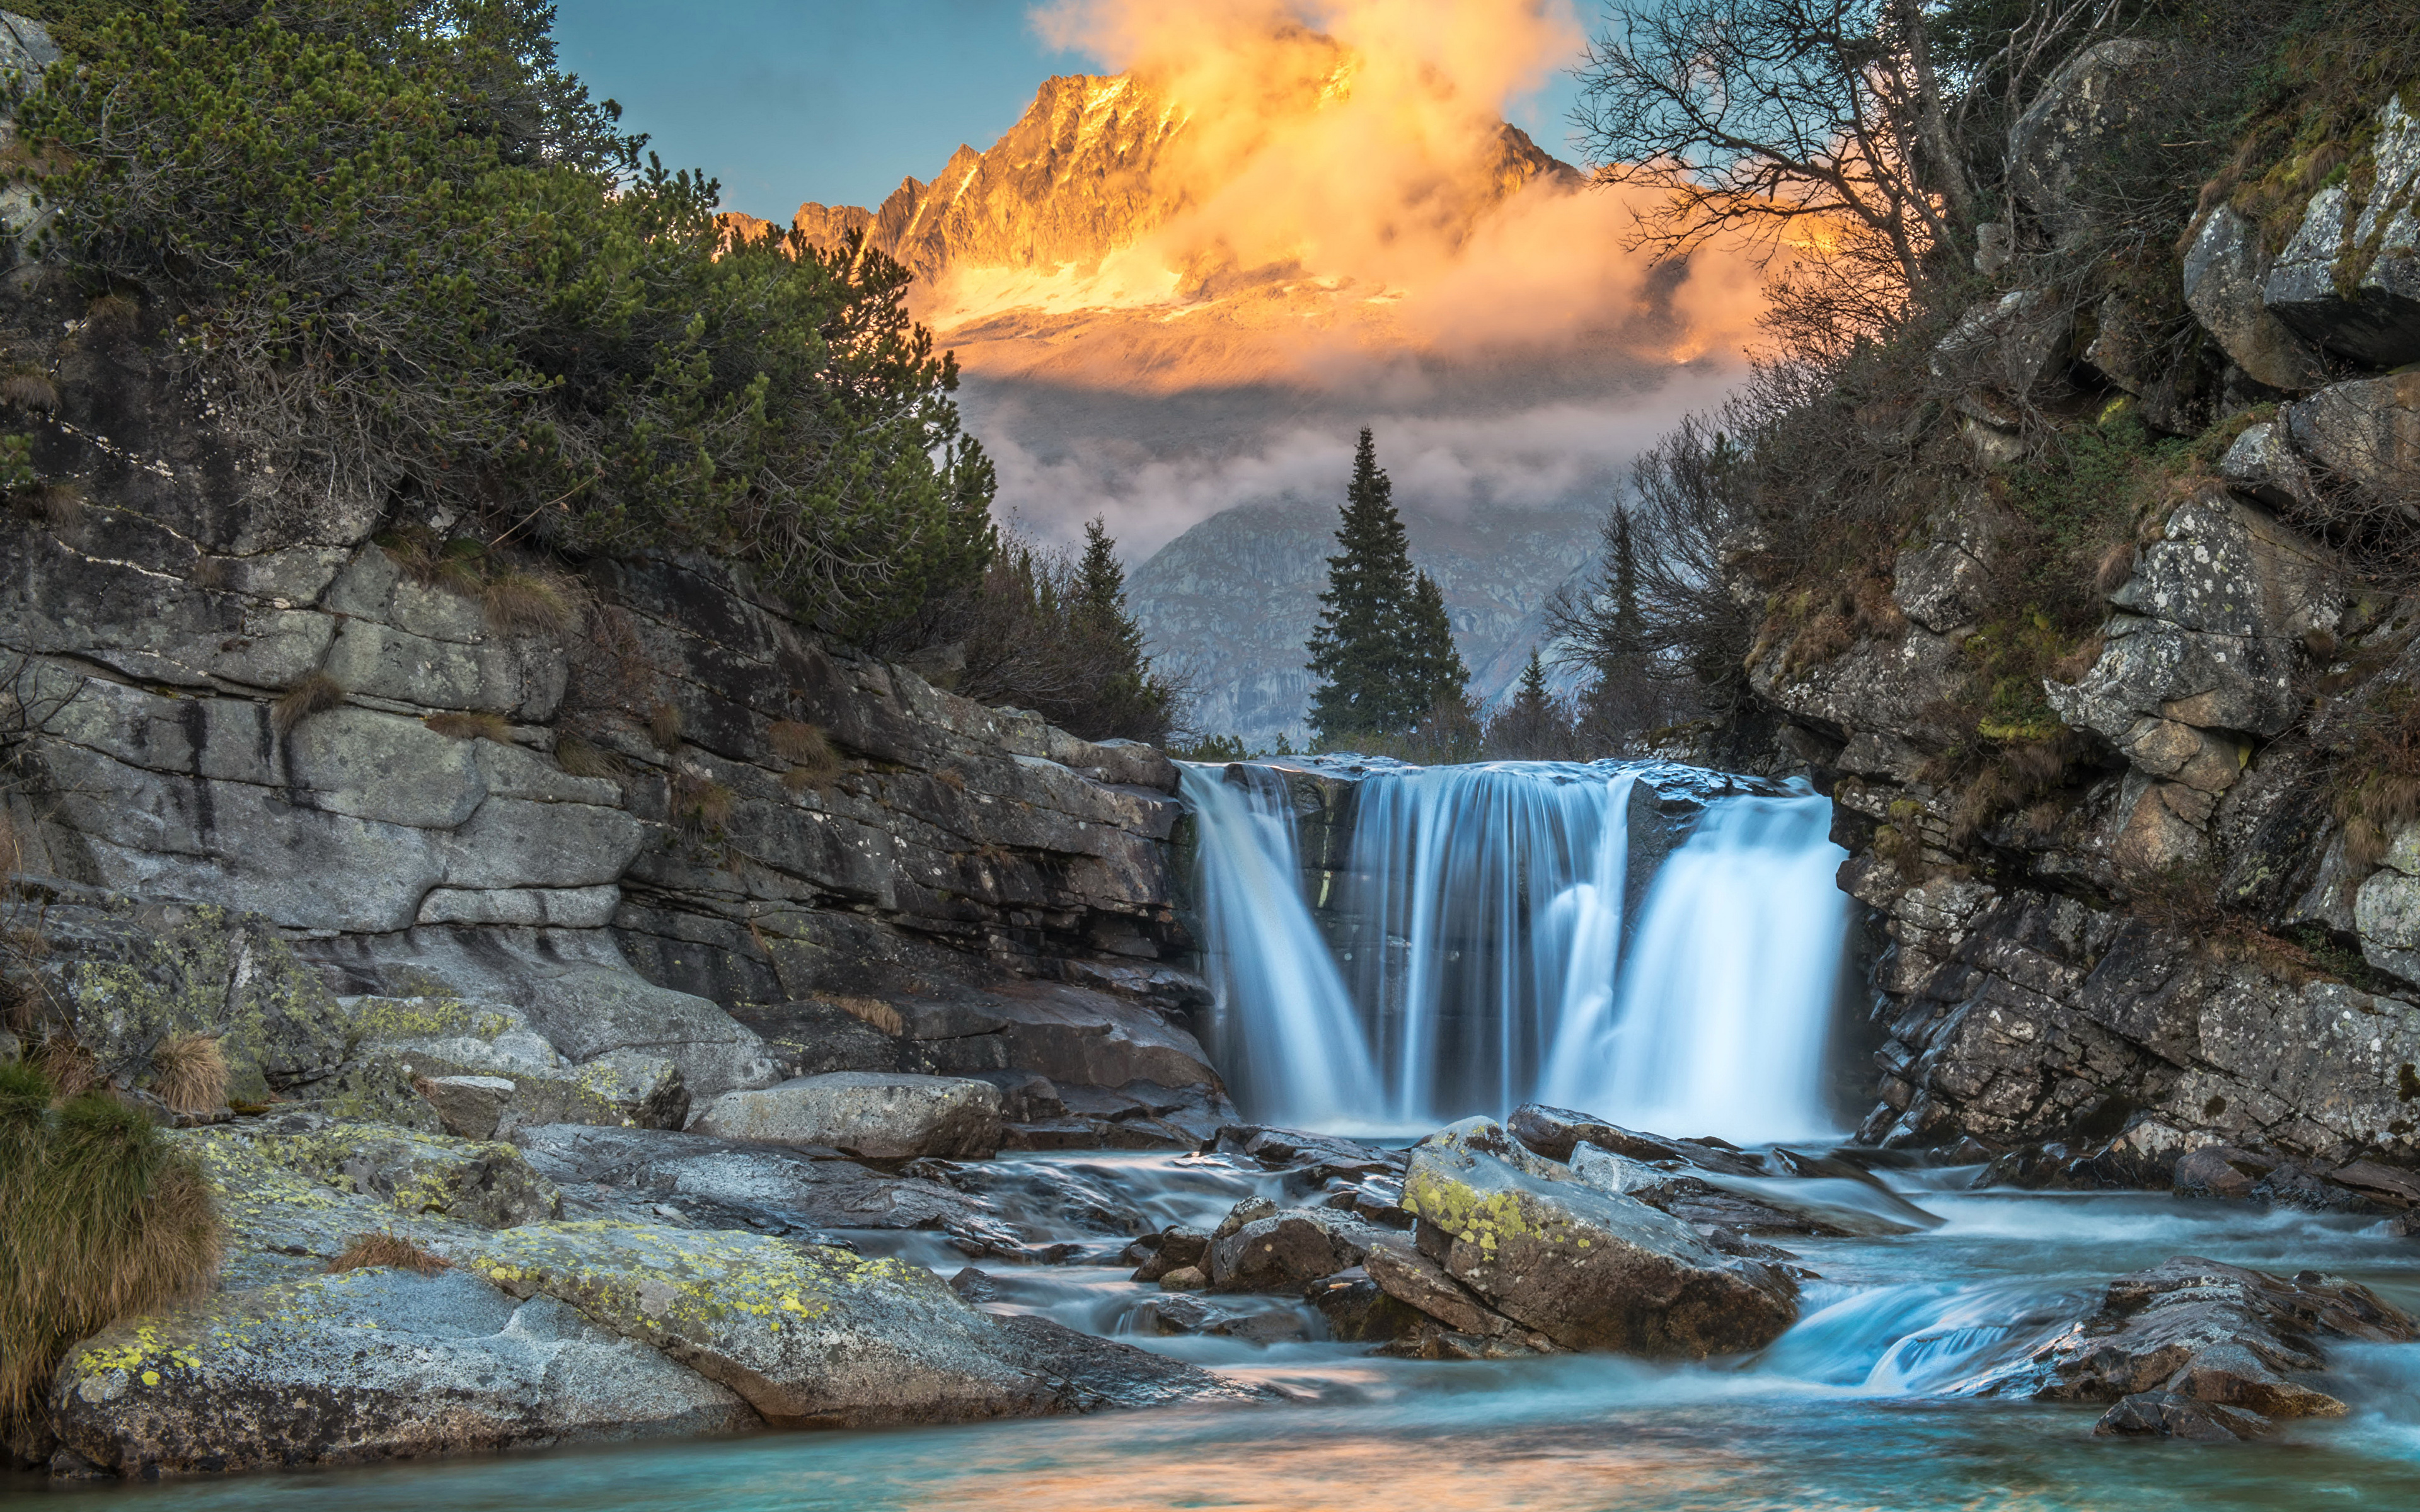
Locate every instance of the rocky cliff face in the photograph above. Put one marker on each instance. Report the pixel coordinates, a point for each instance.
(2176, 942)
(1232, 600)
(682, 833)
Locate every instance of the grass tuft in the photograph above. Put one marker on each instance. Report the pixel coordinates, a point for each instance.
(189, 1072)
(532, 602)
(104, 1220)
(114, 314)
(29, 391)
(56, 503)
(701, 807)
(813, 762)
(581, 757)
(388, 1252)
(315, 693)
(462, 725)
(664, 725)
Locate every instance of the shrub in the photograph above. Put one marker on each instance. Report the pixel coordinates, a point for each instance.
(390, 1252)
(314, 693)
(189, 1072)
(462, 725)
(410, 256)
(103, 1221)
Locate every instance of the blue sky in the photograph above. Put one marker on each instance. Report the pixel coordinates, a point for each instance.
(787, 101)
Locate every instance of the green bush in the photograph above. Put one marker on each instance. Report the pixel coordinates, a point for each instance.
(416, 260)
(103, 1221)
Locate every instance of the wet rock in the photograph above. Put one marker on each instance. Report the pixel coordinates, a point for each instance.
(1185, 1278)
(370, 1364)
(2165, 1414)
(1174, 1313)
(734, 1184)
(1287, 1250)
(1319, 1158)
(2355, 288)
(1403, 1272)
(1360, 1311)
(1556, 1133)
(1174, 1249)
(2225, 271)
(865, 1113)
(1587, 1269)
(2219, 1171)
(1086, 1374)
(2216, 1334)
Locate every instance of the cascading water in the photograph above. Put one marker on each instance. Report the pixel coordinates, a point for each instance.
(1286, 1036)
(1485, 952)
(1726, 996)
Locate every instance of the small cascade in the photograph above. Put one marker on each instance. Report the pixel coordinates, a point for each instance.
(1726, 999)
(1285, 1035)
(1485, 946)
(1487, 906)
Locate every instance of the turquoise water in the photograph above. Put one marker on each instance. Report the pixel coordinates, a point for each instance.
(1851, 1410)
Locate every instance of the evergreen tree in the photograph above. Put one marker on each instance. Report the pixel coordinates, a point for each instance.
(1629, 633)
(1101, 593)
(1530, 700)
(1382, 649)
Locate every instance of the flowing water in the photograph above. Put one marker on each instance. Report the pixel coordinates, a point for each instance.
(1857, 1407)
(1490, 943)
(1486, 945)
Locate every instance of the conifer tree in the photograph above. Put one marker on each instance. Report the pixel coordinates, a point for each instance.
(1383, 650)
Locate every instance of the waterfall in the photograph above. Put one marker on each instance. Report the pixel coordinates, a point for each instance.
(1285, 1037)
(1482, 948)
(1725, 1000)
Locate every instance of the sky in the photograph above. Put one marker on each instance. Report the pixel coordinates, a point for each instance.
(836, 100)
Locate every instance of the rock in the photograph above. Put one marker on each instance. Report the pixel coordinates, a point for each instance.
(2355, 289)
(2008, 344)
(2367, 434)
(589, 1012)
(1590, 1270)
(1556, 1133)
(2213, 1335)
(1403, 1272)
(2262, 464)
(731, 1184)
(2219, 1171)
(369, 1365)
(2224, 277)
(865, 1113)
(469, 1106)
(432, 1037)
(2084, 113)
(2165, 1414)
(1287, 1250)
(805, 1334)
(489, 1185)
(1358, 1311)
(1185, 1278)
(1174, 1249)
(1091, 1374)
(1170, 1314)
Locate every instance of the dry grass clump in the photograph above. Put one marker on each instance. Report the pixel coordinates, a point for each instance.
(813, 762)
(113, 314)
(585, 758)
(55, 501)
(664, 725)
(189, 1072)
(29, 389)
(103, 1221)
(701, 806)
(314, 693)
(388, 1252)
(950, 778)
(532, 602)
(71, 1068)
(2378, 775)
(459, 724)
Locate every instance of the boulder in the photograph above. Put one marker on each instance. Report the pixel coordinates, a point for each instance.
(369, 1365)
(1288, 1250)
(2166, 1414)
(1358, 1311)
(592, 1010)
(1403, 1272)
(2224, 275)
(865, 1113)
(2008, 344)
(2081, 119)
(486, 1185)
(1557, 1132)
(2263, 464)
(2350, 278)
(433, 1039)
(1589, 1269)
(2213, 1335)
(1174, 1249)
(2364, 434)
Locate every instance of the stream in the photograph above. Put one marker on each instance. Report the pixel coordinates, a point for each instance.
(1856, 1406)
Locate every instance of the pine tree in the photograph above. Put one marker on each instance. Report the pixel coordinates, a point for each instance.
(1383, 650)
(1530, 699)
(1101, 593)
(1630, 633)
